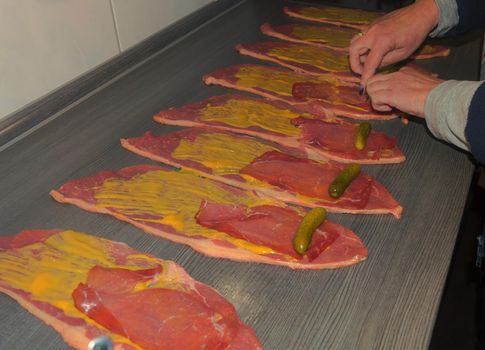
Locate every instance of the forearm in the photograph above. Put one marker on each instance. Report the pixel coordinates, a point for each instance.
(428, 13)
(449, 110)
(447, 16)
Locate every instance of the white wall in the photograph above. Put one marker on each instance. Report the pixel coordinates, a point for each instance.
(46, 43)
(135, 22)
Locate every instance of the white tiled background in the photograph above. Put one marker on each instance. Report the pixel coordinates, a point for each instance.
(46, 43)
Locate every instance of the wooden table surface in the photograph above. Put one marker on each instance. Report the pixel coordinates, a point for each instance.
(390, 301)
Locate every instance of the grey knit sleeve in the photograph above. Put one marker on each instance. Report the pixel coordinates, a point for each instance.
(446, 110)
(448, 12)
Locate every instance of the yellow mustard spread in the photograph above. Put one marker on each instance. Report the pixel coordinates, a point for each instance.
(246, 113)
(223, 153)
(355, 16)
(275, 80)
(333, 36)
(52, 269)
(281, 83)
(324, 59)
(173, 198)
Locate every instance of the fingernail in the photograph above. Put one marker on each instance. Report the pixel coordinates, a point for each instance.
(361, 90)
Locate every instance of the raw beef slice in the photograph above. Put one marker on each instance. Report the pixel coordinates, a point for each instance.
(165, 203)
(330, 97)
(328, 138)
(353, 18)
(85, 287)
(302, 58)
(336, 38)
(246, 162)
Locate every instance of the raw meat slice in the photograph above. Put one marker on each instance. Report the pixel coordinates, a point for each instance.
(353, 18)
(336, 38)
(277, 83)
(328, 138)
(165, 202)
(302, 58)
(146, 310)
(279, 225)
(245, 162)
(310, 178)
(379, 147)
(84, 287)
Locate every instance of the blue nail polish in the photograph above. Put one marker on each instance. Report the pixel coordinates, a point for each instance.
(361, 90)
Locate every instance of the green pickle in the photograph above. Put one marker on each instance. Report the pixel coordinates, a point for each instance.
(361, 136)
(343, 180)
(303, 236)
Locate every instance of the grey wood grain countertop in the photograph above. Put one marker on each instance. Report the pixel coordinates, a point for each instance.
(390, 301)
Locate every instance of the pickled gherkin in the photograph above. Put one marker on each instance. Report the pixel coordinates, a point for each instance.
(343, 180)
(303, 236)
(361, 136)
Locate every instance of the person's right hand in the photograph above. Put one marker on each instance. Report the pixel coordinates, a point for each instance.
(406, 90)
(392, 38)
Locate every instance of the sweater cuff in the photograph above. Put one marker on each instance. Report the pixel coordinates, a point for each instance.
(446, 110)
(448, 17)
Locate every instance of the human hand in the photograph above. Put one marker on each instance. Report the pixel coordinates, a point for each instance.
(392, 38)
(405, 90)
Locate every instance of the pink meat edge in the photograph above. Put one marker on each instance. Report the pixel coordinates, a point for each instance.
(440, 52)
(283, 140)
(72, 335)
(26, 237)
(284, 196)
(294, 14)
(342, 112)
(268, 30)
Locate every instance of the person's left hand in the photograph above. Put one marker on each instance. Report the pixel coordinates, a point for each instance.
(405, 90)
(392, 38)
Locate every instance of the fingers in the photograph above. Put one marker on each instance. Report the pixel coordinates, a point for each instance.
(381, 108)
(381, 100)
(405, 90)
(357, 50)
(417, 72)
(366, 54)
(374, 60)
(380, 92)
(394, 56)
(378, 78)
